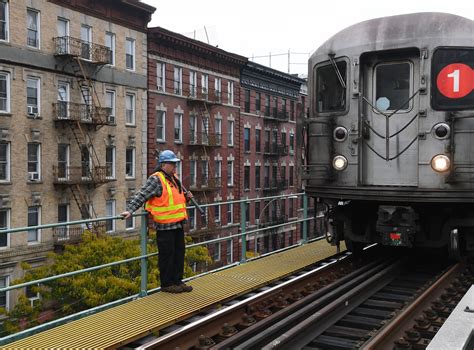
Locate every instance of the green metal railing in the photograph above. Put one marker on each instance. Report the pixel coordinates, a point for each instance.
(244, 234)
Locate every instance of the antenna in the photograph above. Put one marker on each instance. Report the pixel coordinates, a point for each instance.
(205, 30)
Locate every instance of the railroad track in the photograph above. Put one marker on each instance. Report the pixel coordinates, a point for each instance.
(383, 303)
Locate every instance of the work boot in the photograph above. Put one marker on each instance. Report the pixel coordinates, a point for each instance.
(172, 289)
(185, 288)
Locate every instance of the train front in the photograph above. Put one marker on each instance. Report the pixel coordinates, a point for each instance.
(389, 153)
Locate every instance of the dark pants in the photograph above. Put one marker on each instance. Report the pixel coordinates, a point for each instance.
(170, 256)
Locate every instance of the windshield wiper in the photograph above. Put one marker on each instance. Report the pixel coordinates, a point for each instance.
(336, 69)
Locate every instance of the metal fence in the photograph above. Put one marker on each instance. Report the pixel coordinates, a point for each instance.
(243, 236)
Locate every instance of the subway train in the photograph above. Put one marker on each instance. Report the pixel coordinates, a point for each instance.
(389, 134)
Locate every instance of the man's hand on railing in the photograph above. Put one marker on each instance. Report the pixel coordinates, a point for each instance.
(126, 215)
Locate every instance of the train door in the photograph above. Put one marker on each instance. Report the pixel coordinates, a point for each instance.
(389, 120)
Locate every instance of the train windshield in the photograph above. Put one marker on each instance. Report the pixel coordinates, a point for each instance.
(392, 90)
(330, 92)
(452, 85)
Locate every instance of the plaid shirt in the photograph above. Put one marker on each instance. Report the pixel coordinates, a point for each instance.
(152, 188)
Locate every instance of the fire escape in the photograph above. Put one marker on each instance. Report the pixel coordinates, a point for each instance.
(82, 119)
(203, 140)
(275, 180)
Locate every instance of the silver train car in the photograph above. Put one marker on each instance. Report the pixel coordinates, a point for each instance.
(389, 138)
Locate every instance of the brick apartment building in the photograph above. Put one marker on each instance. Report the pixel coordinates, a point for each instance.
(73, 112)
(271, 102)
(194, 110)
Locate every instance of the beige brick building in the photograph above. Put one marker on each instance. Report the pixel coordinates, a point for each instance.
(73, 107)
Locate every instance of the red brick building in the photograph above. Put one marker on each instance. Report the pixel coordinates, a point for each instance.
(271, 102)
(194, 110)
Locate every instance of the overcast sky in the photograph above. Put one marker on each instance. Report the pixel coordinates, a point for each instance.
(256, 28)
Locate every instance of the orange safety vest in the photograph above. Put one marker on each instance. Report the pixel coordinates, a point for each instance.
(170, 207)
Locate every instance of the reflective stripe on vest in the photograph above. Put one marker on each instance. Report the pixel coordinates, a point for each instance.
(163, 209)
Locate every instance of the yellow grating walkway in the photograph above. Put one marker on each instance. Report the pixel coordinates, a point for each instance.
(125, 323)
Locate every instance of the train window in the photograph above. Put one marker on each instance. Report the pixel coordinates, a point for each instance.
(392, 86)
(452, 75)
(330, 92)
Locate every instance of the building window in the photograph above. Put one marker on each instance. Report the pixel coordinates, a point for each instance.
(217, 251)
(110, 104)
(110, 43)
(86, 41)
(257, 177)
(160, 126)
(4, 161)
(130, 162)
(192, 172)
(160, 76)
(230, 92)
(247, 101)
(267, 105)
(4, 224)
(110, 162)
(204, 172)
(292, 143)
(32, 96)
(218, 89)
(204, 85)
(62, 232)
(292, 110)
(218, 130)
(192, 218)
(229, 254)
(230, 133)
(266, 176)
(218, 172)
(4, 20)
(33, 28)
(192, 83)
(192, 130)
(267, 141)
(275, 107)
(291, 175)
(258, 101)
(4, 92)
(110, 211)
(4, 296)
(291, 207)
(34, 161)
(85, 162)
(258, 140)
(63, 161)
(217, 214)
(257, 212)
(130, 109)
(178, 80)
(230, 213)
(230, 173)
(247, 177)
(283, 107)
(283, 139)
(179, 171)
(34, 235)
(130, 53)
(246, 139)
(130, 222)
(63, 100)
(178, 127)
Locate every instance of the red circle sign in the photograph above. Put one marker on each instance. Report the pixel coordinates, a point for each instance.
(456, 80)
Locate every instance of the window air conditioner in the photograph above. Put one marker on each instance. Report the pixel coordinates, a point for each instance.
(32, 110)
(33, 176)
(111, 119)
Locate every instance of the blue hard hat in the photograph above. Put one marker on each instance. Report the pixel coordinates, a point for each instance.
(168, 156)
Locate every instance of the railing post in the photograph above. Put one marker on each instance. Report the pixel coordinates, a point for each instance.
(143, 252)
(305, 216)
(243, 221)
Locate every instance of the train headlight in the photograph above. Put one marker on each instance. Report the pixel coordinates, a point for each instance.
(339, 134)
(339, 163)
(441, 131)
(440, 163)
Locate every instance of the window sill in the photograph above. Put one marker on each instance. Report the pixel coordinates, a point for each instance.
(34, 182)
(127, 178)
(178, 142)
(161, 141)
(130, 125)
(5, 114)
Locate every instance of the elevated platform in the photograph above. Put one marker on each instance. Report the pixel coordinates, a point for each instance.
(125, 323)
